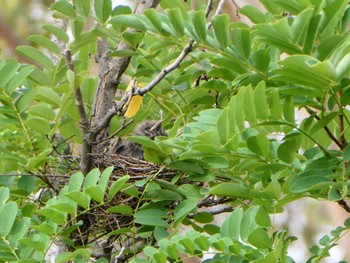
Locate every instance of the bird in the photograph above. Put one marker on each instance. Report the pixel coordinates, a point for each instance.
(150, 129)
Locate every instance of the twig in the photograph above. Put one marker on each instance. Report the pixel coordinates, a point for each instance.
(237, 8)
(124, 125)
(224, 209)
(344, 205)
(209, 7)
(220, 7)
(330, 134)
(187, 49)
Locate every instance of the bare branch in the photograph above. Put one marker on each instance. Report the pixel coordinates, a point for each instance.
(220, 7)
(187, 49)
(209, 7)
(329, 133)
(237, 8)
(60, 23)
(344, 205)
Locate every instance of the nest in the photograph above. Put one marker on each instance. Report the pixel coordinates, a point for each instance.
(137, 169)
(99, 222)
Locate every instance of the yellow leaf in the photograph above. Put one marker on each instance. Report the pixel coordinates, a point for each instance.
(135, 102)
(134, 106)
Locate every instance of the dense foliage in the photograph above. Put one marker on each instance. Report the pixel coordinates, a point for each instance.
(228, 106)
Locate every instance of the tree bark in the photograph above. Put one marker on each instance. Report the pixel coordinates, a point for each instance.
(111, 70)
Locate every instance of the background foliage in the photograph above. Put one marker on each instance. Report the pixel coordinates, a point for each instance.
(229, 111)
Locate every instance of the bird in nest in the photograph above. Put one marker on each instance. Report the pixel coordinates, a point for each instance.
(150, 129)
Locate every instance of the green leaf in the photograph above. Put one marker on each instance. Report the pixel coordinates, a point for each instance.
(128, 21)
(188, 245)
(42, 110)
(121, 209)
(171, 4)
(65, 8)
(187, 166)
(241, 39)
(260, 101)
(75, 181)
(83, 7)
(83, 39)
(262, 217)
(309, 179)
(7, 217)
(103, 9)
(8, 72)
(154, 17)
(220, 25)
(18, 79)
(324, 121)
(38, 125)
(133, 38)
(183, 209)
(300, 26)
(203, 217)
(343, 67)
(80, 198)
(176, 20)
(58, 32)
(152, 217)
(288, 109)
(19, 230)
(46, 228)
(226, 124)
(37, 245)
(277, 35)
(117, 186)
(46, 43)
(253, 13)
(199, 24)
(334, 195)
(248, 103)
(40, 77)
(53, 214)
(231, 226)
(162, 194)
(260, 238)
(202, 242)
(49, 96)
(104, 178)
(259, 144)
(66, 207)
(232, 190)
(287, 151)
(36, 56)
(82, 253)
(331, 17)
(95, 192)
(92, 178)
(4, 195)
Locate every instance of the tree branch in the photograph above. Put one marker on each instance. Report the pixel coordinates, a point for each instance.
(329, 133)
(187, 49)
(85, 162)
